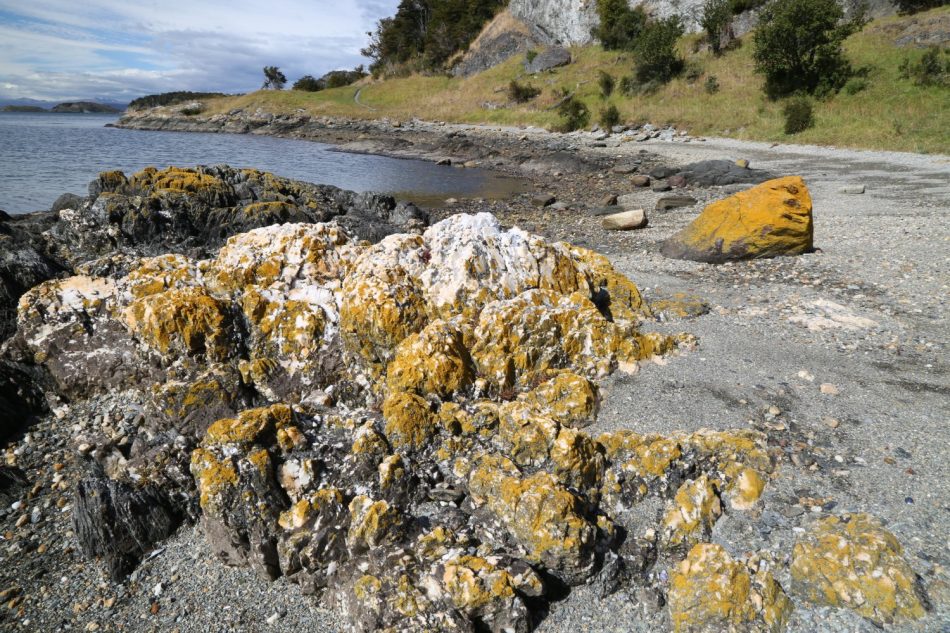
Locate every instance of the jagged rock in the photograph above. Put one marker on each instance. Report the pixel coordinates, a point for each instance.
(196, 209)
(21, 396)
(711, 592)
(119, 522)
(13, 483)
(550, 57)
(852, 561)
(774, 218)
(416, 454)
(679, 305)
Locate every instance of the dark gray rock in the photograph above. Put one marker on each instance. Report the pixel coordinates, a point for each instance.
(708, 173)
(118, 522)
(21, 396)
(551, 57)
(67, 201)
(674, 202)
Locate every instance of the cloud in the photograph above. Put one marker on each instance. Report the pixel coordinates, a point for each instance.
(106, 49)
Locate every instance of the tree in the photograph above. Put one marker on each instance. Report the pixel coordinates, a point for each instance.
(798, 46)
(619, 24)
(308, 83)
(715, 20)
(273, 78)
(657, 60)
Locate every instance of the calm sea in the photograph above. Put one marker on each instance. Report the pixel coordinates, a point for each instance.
(45, 155)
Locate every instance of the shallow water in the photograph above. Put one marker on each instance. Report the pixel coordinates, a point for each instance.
(45, 155)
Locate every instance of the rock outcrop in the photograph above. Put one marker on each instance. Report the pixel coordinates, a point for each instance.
(395, 427)
(173, 210)
(774, 218)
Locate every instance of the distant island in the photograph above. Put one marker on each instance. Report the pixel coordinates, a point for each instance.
(85, 107)
(22, 108)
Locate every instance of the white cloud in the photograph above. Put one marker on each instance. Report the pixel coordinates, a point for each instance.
(106, 49)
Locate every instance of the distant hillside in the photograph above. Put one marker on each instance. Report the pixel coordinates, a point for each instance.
(22, 108)
(85, 107)
(715, 96)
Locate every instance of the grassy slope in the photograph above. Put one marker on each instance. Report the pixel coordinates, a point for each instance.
(891, 113)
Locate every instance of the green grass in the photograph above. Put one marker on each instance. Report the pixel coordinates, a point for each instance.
(891, 113)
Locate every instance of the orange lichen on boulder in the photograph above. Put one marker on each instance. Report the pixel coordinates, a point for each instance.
(774, 218)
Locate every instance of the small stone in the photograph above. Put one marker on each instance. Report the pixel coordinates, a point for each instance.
(626, 220)
(640, 181)
(23, 520)
(678, 181)
(444, 161)
(154, 608)
(828, 389)
(608, 201)
(272, 619)
(831, 423)
(624, 169)
(854, 190)
(742, 163)
(674, 202)
(451, 201)
(660, 187)
(774, 410)
(157, 589)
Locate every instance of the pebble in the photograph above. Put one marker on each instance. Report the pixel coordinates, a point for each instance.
(829, 389)
(852, 190)
(831, 423)
(272, 619)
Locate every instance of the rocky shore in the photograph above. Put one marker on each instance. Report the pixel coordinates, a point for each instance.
(433, 421)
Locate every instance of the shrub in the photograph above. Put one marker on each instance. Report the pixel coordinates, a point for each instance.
(712, 85)
(192, 110)
(574, 115)
(522, 93)
(855, 85)
(798, 47)
(693, 71)
(929, 70)
(274, 79)
(620, 26)
(628, 86)
(308, 83)
(609, 117)
(715, 19)
(799, 115)
(606, 82)
(530, 55)
(657, 60)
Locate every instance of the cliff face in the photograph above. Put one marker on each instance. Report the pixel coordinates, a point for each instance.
(571, 21)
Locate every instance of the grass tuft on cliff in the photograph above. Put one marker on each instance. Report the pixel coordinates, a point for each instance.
(884, 112)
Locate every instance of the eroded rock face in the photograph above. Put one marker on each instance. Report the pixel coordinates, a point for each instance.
(852, 561)
(771, 219)
(398, 427)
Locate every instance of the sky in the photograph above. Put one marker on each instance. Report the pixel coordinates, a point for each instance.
(60, 50)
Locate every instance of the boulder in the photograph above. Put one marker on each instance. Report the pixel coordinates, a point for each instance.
(852, 561)
(551, 57)
(625, 220)
(711, 592)
(772, 219)
(710, 173)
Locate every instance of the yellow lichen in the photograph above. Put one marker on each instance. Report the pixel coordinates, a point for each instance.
(852, 561)
(409, 421)
(432, 361)
(249, 426)
(186, 320)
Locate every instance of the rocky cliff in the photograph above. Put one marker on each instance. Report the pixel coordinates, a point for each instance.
(569, 22)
